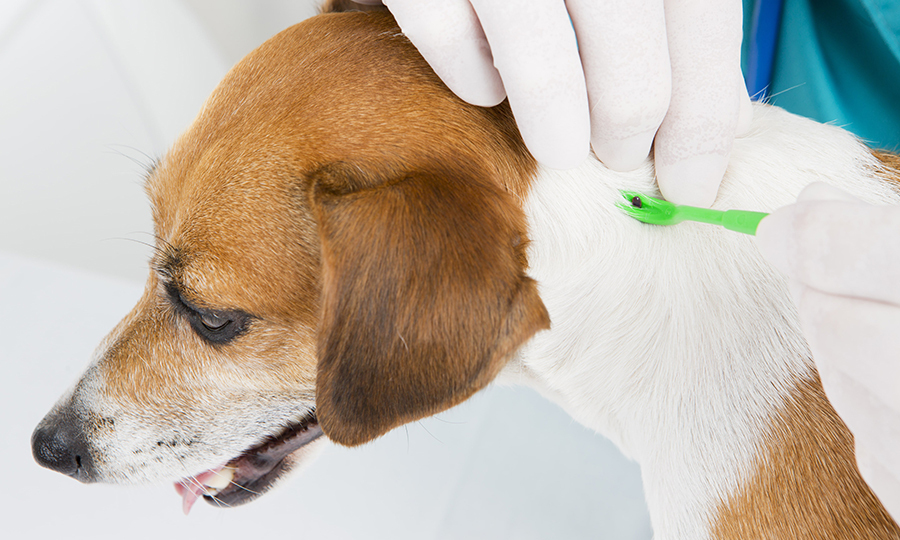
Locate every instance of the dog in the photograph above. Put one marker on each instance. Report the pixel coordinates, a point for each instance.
(343, 247)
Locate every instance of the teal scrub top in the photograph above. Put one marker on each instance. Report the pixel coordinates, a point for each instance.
(838, 61)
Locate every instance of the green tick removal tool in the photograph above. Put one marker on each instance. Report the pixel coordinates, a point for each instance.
(660, 212)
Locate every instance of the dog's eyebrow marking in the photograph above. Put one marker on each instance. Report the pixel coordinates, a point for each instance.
(169, 263)
(150, 168)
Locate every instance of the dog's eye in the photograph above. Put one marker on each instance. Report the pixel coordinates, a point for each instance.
(219, 327)
(213, 322)
(214, 326)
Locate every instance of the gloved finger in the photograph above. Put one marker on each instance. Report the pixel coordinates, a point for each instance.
(876, 433)
(820, 191)
(449, 36)
(695, 139)
(875, 427)
(626, 67)
(534, 49)
(880, 472)
(837, 247)
(855, 344)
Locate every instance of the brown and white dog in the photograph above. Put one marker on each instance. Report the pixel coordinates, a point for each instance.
(343, 246)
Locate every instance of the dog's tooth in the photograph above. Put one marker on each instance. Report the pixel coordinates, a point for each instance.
(219, 480)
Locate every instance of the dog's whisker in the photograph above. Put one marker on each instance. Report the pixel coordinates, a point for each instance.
(157, 250)
(451, 422)
(149, 166)
(245, 488)
(141, 242)
(219, 502)
(166, 247)
(163, 241)
(422, 425)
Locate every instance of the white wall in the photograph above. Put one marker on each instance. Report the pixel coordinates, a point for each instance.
(91, 91)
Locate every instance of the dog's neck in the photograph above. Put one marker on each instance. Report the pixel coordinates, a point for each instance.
(681, 343)
(655, 340)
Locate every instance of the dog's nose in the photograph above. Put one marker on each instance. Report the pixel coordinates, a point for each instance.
(59, 444)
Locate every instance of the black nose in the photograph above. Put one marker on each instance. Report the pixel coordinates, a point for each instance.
(59, 444)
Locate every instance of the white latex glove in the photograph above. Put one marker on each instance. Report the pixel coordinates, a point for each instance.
(615, 73)
(843, 257)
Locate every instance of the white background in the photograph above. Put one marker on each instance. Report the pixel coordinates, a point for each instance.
(90, 92)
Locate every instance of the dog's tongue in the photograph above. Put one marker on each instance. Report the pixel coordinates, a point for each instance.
(252, 473)
(193, 487)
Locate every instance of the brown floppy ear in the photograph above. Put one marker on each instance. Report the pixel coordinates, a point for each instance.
(424, 298)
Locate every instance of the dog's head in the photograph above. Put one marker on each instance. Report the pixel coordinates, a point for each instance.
(339, 249)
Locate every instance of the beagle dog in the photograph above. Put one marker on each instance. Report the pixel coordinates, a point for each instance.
(343, 246)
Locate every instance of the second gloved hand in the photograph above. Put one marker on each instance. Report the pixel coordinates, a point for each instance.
(843, 257)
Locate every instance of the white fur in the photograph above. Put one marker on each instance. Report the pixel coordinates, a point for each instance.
(678, 342)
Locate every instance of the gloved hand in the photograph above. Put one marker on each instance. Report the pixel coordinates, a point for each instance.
(615, 73)
(843, 257)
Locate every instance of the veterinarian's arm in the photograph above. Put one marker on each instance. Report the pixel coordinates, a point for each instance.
(613, 74)
(843, 257)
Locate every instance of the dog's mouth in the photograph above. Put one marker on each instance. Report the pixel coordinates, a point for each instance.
(251, 474)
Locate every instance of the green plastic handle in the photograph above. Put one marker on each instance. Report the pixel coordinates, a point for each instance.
(743, 221)
(702, 215)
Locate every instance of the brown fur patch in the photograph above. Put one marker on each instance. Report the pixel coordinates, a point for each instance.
(890, 169)
(806, 484)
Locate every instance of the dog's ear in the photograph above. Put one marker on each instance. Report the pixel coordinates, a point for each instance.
(424, 296)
